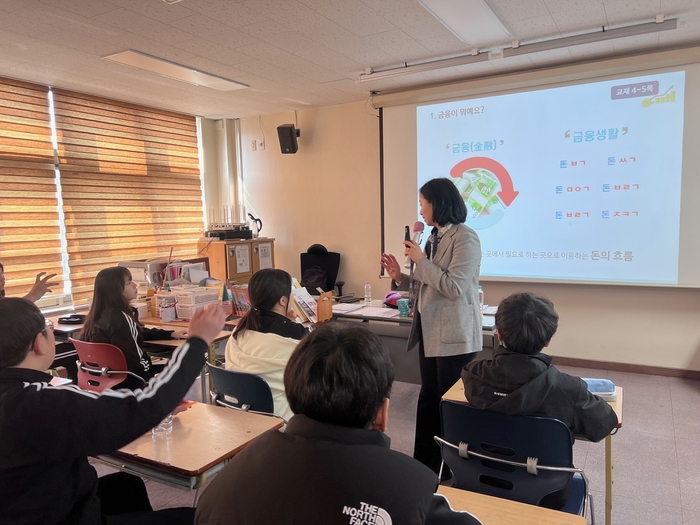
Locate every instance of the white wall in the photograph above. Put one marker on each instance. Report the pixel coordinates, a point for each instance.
(327, 193)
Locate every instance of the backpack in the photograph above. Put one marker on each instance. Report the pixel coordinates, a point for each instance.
(313, 278)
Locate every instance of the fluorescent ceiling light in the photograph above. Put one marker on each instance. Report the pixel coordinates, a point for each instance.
(472, 21)
(522, 49)
(175, 71)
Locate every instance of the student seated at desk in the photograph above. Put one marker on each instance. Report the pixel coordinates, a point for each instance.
(520, 380)
(333, 464)
(113, 320)
(41, 285)
(267, 335)
(47, 432)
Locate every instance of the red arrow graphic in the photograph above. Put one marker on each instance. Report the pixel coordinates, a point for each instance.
(507, 193)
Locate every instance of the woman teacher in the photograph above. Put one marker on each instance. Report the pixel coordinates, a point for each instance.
(446, 317)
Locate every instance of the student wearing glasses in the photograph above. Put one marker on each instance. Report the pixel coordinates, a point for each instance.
(113, 320)
(41, 286)
(48, 432)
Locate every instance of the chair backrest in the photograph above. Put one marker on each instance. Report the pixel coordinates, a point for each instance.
(329, 262)
(94, 357)
(245, 391)
(511, 438)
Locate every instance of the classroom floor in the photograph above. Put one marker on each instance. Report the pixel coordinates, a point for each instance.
(656, 452)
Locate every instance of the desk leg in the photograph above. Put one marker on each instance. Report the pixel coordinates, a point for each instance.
(608, 479)
(211, 359)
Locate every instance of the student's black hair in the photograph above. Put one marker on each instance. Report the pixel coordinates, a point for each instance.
(526, 322)
(339, 374)
(20, 322)
(265, 288)
(108, 295)
(448, 204)
(2, 292)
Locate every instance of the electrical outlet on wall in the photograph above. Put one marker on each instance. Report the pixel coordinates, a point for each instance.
(261, 145)
(253, 144)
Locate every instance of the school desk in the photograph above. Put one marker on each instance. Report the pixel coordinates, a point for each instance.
(456, 393)
(203, 439)
(496, 511)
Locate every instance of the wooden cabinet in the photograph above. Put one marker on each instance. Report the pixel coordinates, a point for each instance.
(236, 260)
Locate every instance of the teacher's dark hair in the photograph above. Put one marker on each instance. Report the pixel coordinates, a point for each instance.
(526, 322)
(265, 288)
(20, 322)
(448, 204)
(339, 374)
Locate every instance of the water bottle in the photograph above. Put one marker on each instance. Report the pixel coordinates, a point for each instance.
(481, 300)
(368, 294)
(164, 427)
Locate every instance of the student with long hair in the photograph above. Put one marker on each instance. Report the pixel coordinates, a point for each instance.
(113, 320)
(266, 336)
(39, 289)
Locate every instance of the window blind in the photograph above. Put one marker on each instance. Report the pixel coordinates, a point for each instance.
(130, 184)
(29, 222)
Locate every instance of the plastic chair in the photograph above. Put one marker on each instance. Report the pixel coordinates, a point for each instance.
(522, 458)
(329, 262)
(100, 366)
(241, 391)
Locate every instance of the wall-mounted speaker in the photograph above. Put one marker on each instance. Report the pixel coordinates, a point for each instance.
(288, 138)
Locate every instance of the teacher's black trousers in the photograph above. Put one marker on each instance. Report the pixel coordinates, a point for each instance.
(437, 375)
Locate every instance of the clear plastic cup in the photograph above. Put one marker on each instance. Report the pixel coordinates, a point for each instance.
(164, 427)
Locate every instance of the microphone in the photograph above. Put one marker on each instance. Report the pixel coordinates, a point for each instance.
(418, 228)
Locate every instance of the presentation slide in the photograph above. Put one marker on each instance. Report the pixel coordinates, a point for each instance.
(569, 183)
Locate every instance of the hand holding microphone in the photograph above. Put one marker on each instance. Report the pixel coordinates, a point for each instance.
(418, 228)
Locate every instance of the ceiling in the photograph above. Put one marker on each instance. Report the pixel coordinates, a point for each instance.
(294, 54)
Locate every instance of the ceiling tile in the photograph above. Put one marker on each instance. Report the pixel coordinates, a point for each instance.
(574, 15)
(398, 45)
(293, 53)
(156, 10)
(142, 25)
(276, 57)
(86, 8)
(354, 16)
(232, 14)
(313, 4)
(386, 6)
(508, 11)
(417, 23)
(625, 11)
(534, 28)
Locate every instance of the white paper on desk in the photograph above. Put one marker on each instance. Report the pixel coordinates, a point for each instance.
(490, 310)
(196, 276)
(345, 308)
(373, 311)
(242, 259)
(265, 253)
